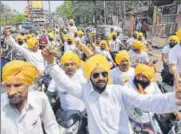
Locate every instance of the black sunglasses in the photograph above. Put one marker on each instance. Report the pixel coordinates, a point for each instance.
(96, 75)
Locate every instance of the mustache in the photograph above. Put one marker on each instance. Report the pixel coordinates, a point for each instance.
(11, 96)
(100, 81)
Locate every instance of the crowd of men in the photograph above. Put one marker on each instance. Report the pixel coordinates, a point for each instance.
(116, 86)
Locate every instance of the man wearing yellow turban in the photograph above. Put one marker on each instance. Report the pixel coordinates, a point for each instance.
(72, 66)
(138, 54)
(141, 38)
(21, 40)
(175, 56)
(115, 44)
(52, 41)
(143, 83)
(130, 40)
(31, 54)
(166, 75)
(69, 44)
(105, 103)
(123, 72)
(103, 48)
(17, 76)
(71, 27)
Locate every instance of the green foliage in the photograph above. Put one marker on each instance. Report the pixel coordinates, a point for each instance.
(8, 17)
(18, 18)
(65, 10)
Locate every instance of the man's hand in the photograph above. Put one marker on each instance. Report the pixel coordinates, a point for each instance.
(177, 81)
(48, 54)
(178, 96)
(178, 115)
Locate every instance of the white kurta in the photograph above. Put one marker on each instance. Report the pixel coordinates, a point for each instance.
(68, 101)
(120, 78)
(35, 57)
(106, 111)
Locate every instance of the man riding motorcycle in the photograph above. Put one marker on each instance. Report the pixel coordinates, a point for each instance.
(143, 83)
(71, 65)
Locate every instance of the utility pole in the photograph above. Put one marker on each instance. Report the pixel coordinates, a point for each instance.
(49, 11)
(105, 12)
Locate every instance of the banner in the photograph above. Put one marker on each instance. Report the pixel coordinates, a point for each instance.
(154, 14)
(37, 4)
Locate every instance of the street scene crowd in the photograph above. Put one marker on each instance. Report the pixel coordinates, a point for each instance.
(59, 80)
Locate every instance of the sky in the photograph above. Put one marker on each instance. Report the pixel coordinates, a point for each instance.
(20, 5)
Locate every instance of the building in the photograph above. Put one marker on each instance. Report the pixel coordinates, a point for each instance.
(36, 14)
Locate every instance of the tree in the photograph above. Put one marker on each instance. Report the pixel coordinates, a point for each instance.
(18, 18)
(65, 10)
(9, 16)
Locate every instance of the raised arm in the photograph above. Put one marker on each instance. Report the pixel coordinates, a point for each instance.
(11, 42)
(158, 103)
(64, 81)
(59, 76)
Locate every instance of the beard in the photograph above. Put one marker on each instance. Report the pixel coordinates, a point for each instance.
(98, 88)
(172, 45)
(142, 83)
(16, 100)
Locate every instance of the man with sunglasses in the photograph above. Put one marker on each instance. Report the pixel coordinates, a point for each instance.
(32, 53)
(105, 103)
(23, 111)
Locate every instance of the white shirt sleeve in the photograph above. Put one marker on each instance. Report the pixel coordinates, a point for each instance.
(52, 86)
(172, 57)
(64, 81)
(165, 50)
(158, 103)
(11, 42)
(108, 55)
(146, 58)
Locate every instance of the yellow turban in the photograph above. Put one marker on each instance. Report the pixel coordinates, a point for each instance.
(70, 38)
(32, 42)
(69, 55)
(121, 55)
(80, 33)
(136, 32)
(109, 37)
(20, 37)
(114, 34)
(173, 37)
(96, 60)
(25, 71)
(51, 35)
(104, 42)
(146, 70)
(179, 34)
(139, 45)
(72, 21)
(76, 32)
(65, 30)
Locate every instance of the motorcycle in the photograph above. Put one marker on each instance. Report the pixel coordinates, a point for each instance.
(43, 82)
(71, 121)
(167, 122)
